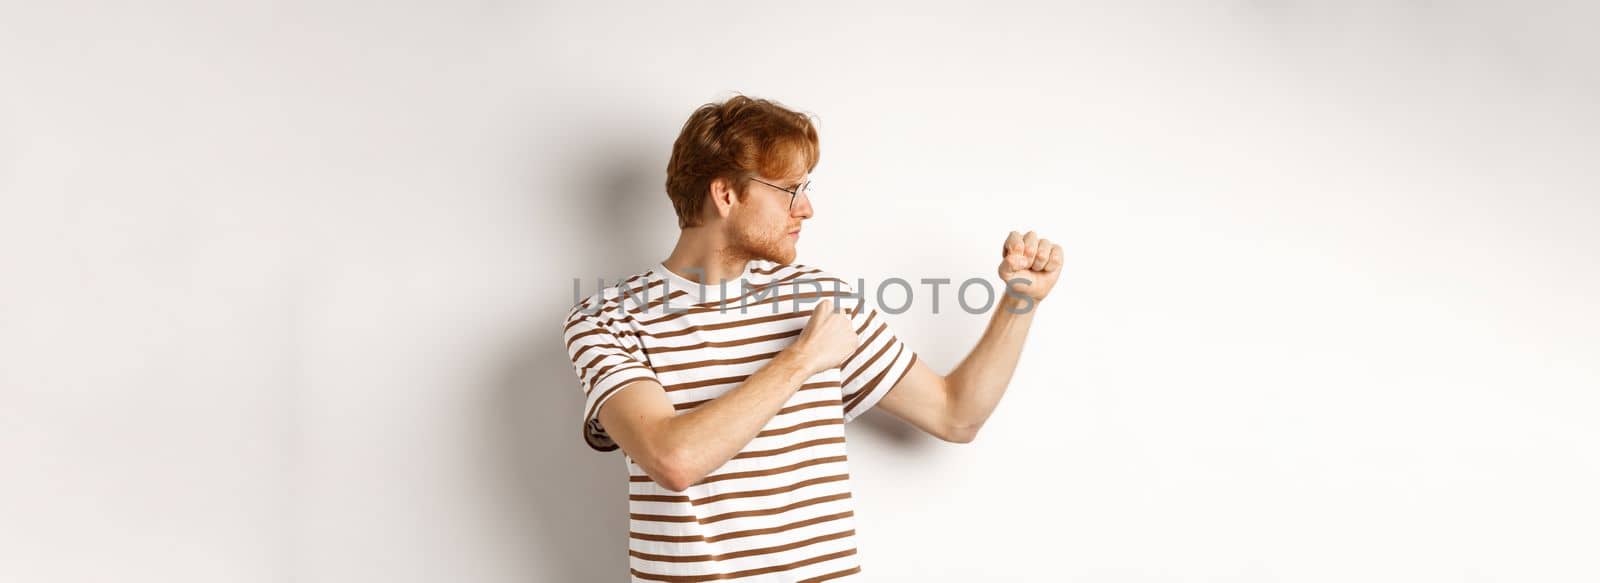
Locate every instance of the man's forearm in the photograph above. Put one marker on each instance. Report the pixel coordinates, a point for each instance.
(705, 438)
(977, 383)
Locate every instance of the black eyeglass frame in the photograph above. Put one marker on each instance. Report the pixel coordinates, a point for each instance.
(793, 194)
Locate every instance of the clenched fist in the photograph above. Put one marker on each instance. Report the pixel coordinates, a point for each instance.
(827, 340)
(1032, 258)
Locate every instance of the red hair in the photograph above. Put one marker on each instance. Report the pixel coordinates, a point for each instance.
(736, 140)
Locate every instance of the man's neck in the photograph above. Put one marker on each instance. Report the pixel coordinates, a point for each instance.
(698, 254)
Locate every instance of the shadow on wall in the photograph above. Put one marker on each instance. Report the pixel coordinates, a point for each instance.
(567, 502)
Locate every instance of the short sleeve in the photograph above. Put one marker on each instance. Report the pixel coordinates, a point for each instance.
(879, 361)
(605, 363)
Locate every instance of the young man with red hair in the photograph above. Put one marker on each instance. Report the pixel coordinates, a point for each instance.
(728, 400)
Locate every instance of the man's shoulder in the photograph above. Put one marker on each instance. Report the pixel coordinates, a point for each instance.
(608, 294)
(811, 280)
(811, 274)
(770, 271)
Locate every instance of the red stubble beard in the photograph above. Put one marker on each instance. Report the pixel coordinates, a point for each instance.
(772, 243)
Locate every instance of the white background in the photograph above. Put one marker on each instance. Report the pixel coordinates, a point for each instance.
(281, 283)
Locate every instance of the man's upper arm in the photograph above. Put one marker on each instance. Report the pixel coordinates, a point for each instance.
(921, 398)
(885, 372)
(879, 362)
(633, 417)
(605, 362)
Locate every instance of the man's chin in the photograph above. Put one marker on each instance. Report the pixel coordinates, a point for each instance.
(778, 258)
(783, 257)
(776, 252)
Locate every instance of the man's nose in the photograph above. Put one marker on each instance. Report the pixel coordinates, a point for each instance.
(802, 206)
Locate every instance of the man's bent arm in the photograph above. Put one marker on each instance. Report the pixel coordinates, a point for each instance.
(679, 450)
(976, 385)
(954, 407)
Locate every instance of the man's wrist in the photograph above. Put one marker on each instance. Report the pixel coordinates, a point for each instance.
(1018, 305)
(793, 364)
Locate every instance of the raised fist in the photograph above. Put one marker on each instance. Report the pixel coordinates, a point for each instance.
(1026, 256)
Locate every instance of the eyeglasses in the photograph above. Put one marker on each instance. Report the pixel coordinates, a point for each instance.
(793, 193)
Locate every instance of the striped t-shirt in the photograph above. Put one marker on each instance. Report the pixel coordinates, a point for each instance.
(781, 509)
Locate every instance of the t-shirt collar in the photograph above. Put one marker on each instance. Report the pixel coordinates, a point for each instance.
(699, 294)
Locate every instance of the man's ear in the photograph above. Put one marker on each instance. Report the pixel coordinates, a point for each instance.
(723, 197)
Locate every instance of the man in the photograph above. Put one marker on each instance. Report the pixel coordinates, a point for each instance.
(727, 400)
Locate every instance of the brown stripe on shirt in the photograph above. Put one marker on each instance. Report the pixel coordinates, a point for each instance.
(738, 574)
(744, 553)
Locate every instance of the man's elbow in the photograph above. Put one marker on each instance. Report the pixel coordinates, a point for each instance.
(961, 433)
(674, 473)
(675, 483)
